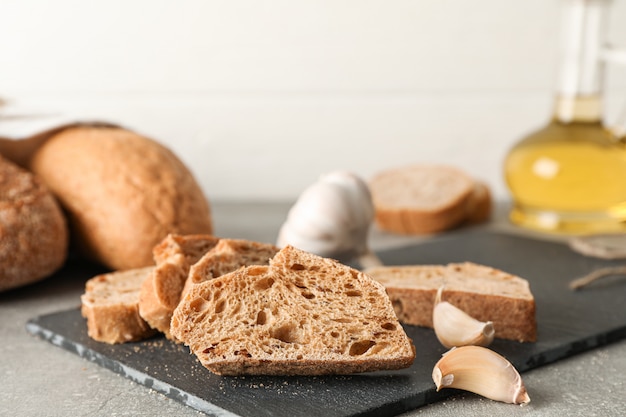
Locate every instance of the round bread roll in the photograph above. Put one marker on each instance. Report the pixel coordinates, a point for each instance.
(33, 231)
(123, 192)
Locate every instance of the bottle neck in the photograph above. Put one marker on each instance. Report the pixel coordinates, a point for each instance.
(582, 39)
(578, 109)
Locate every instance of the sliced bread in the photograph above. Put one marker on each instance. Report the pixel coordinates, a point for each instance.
(301, 315)
(420, 199)
(160, 293)
(110, 306)
(227, 256)
(485, 293)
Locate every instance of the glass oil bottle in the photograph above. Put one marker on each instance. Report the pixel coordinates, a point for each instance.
(570, 176)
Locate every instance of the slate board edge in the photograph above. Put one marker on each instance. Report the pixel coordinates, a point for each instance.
(128, 372)
(388, 409)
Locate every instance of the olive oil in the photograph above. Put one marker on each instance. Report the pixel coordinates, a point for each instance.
(570, 176)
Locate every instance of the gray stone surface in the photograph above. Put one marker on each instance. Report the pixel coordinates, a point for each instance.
(38, 379)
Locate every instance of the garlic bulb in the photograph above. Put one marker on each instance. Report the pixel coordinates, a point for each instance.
(454, 327)
(332, 218)
(481, 371)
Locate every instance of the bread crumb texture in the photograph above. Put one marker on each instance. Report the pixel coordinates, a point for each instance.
(301, 315)
(483, 292)
(110, 304)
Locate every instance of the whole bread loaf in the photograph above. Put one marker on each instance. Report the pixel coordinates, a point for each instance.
(160, 292)
(110, 305)
(485, 293)
(33, 230)
(420, 199)
(123, 193)
(301, 315)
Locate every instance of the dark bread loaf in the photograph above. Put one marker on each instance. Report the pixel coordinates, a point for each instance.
(33, 230)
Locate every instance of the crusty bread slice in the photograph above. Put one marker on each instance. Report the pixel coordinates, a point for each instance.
(160, 293)
(227, 256)
(110, 306)
(485, 293)
(301, 315)
(420, 199)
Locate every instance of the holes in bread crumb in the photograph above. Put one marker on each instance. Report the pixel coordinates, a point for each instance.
(388, 326)
(256, 270)
(297, 267)
(199, 305)
(264, 284)
(354, 293)
(210, 349)
(334, 334)
(242, 352)
(261, 318)
(308, 295)
(220, 306)
(287, 333)
(361, 347)
(342, 320)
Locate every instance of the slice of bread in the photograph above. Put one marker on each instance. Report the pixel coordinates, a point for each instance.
(227, 256)
(485, 293)
(110, 306)
(301, 315)
(422, 199)
(160, 293)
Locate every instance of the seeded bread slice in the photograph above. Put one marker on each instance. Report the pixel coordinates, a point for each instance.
(420, 199)
(160, 293)
(227, 256)
(301, 315)
(110, 306)
(484, 293)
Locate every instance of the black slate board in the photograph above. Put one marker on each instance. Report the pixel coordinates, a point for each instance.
(568, 323)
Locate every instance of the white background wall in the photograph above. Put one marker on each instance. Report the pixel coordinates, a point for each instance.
(260, 97)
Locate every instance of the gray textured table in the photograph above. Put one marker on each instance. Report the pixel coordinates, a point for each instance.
(38, 379)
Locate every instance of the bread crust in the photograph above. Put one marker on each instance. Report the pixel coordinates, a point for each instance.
(123, 192)
(301, 315)
(33, 230)
(160, 292)
(468, 286)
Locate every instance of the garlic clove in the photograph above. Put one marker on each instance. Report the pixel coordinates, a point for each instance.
(453, 327)
(481, 371)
